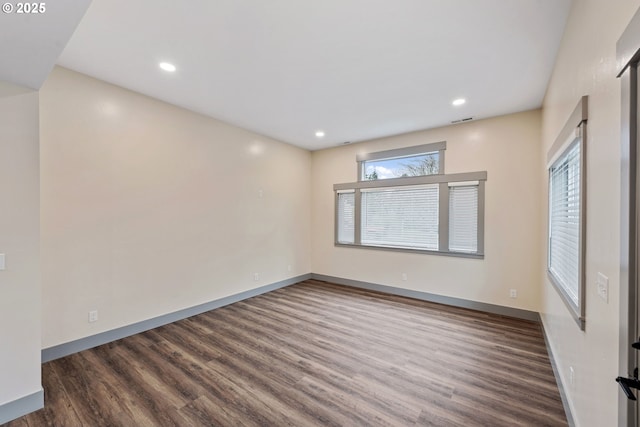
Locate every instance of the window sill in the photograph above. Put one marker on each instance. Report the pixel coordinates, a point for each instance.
(413, 251)
(568, 302)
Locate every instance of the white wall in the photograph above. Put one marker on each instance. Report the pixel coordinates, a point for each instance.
(19, 240)
(148, 208)
(586, 66)
(508, 149)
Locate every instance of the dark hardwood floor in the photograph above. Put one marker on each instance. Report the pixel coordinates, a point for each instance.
(308, 355)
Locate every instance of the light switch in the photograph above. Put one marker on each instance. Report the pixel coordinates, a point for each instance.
(2, 264)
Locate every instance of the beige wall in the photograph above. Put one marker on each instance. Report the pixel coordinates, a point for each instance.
(19, 240)
(148, 208)
(508, 149)
(586, 66)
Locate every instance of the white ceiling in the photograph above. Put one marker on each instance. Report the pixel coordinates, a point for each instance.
(357, 69)
(31, 43)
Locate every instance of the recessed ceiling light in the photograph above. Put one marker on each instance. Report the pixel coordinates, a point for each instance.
(319, 134)
(459, 101)
(167, 66)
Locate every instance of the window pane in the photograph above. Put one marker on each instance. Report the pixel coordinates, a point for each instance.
(401, 217)
(564, 221)
(346, 216)
(419, 165)
(463, 219)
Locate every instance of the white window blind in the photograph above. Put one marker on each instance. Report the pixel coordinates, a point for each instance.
(346, 216)
(463, 218)
(400, 216)
(564, 221)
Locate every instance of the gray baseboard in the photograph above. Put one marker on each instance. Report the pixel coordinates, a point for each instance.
(65, 349)
(23, 406)
(68, 348)
(556, 374)
(35, 401)
(425, 296)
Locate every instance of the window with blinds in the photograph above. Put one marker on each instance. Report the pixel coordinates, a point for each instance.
(346, 216)
(405, 217)
(420, 210)
(564, 221)
(566, 213)
(463, 217)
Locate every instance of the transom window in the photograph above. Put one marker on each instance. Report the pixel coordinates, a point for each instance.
(418, 165)
(419, 210)
(421, 160)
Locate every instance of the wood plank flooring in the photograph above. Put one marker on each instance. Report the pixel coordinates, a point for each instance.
(312, 354)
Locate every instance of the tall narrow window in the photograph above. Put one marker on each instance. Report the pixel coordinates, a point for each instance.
(566, 244)
(346, 216)
(463, 217)
(564, 221)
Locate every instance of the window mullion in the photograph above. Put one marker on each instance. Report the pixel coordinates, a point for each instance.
(357, 217)
(336, 217)
(480, 243)
(443, 217)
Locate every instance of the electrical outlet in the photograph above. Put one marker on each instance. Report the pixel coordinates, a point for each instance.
(404, 276)
(602, 283)
(260, 194)
(93, 316)
(288, 268)
(2, 262)
(513, 293)
(256, 276)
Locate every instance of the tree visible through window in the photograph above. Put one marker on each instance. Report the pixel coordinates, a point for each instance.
(418, 165)
(412, 205)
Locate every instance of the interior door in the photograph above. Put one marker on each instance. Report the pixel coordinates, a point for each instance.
(628, 55)
(628, 362)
